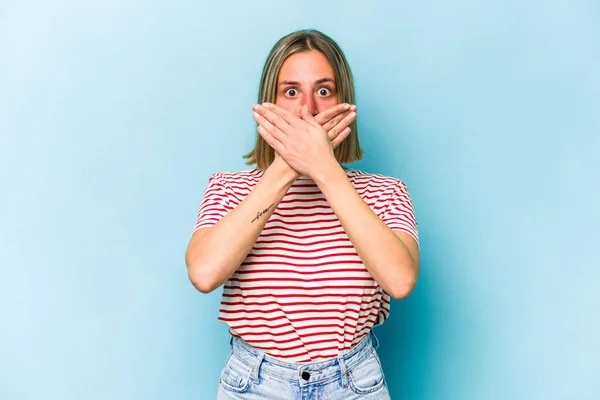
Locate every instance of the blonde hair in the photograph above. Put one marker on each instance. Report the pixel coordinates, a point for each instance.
(296, 42)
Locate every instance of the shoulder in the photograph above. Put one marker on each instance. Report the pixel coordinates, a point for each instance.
(374, 182)
(245, 177)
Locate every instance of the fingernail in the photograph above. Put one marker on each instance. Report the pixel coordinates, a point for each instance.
(353, 107)
(255, 115)
(347, 106)
(266, 105)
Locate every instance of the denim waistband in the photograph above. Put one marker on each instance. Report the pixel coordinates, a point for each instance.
(318, 372)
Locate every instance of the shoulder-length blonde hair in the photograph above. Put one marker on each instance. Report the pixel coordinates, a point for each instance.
(305, 40)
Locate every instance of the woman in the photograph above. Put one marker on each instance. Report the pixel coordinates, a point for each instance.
(309, 251)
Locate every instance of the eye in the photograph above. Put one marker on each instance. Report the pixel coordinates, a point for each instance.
(291, 92)
(324, 91)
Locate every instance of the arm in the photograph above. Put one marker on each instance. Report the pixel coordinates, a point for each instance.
(215, 253)
(392, 257)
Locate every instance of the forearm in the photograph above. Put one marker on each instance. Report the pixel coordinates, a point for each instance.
(384, 254)
(215, 253)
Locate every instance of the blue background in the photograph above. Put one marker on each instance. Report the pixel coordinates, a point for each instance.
(113, 114)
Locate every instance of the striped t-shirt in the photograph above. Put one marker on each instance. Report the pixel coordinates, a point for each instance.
(302, 293)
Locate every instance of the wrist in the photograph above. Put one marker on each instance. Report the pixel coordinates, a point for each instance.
(329, 172)
(282, 171)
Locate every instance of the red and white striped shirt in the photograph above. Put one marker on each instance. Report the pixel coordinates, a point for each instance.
(302, 293)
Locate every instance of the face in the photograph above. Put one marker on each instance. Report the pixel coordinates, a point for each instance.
(306, 79)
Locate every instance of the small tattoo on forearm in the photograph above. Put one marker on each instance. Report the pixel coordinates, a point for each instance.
(261, 213)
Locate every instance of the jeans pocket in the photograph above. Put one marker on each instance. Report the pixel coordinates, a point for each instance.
(367, 377)
(236, 375)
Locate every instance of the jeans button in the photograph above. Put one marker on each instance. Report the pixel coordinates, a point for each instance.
(305, 375)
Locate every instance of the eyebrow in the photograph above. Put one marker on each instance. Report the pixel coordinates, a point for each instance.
(318, 82)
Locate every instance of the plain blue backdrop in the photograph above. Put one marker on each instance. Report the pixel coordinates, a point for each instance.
(113, 114)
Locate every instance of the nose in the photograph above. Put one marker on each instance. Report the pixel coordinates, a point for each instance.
(310, 102)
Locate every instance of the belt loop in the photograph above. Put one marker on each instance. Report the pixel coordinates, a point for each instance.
(259, 360)
(343, 371)
(376, 346)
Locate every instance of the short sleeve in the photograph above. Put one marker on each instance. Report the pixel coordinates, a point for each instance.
(214, 205)
(399, 214)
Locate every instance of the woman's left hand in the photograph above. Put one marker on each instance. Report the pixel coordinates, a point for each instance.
(301, 142)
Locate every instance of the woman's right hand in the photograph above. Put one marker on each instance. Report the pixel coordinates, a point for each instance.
(284, 168)
(336, 121)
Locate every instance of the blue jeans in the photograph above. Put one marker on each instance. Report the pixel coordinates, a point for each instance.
(250, 374)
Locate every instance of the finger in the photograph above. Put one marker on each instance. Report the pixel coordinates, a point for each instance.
(298, 111)
(307, 116)
(340, 138)
(324, 116)
(271, 129)
(340, 126)
(287, 116)
(272, 117)
(327, 115)
(271, 141)
(334, 121)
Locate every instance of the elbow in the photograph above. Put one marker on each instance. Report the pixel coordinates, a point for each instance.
(201, 282)
(403, 288)
(401, 293)
(406, 283)
(199, 276)
(203, 287)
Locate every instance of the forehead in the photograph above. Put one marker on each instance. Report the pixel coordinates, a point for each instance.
(306, 66)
